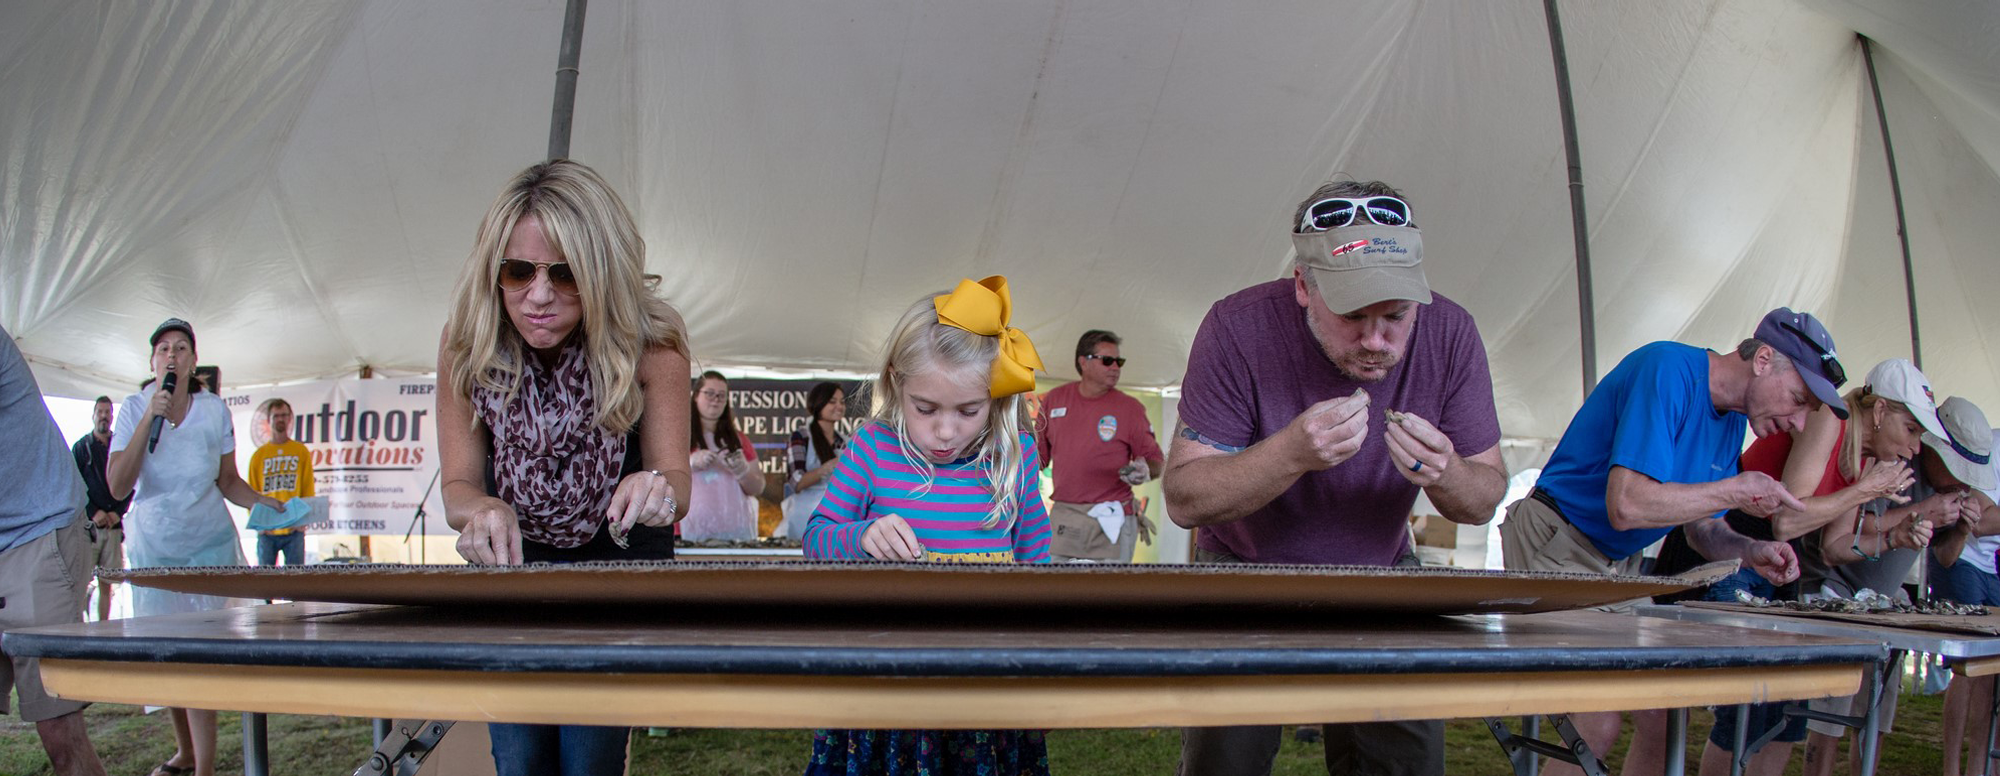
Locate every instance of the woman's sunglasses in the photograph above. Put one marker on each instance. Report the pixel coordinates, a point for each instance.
(517, 274)
(1336, 212)
(1109, 360)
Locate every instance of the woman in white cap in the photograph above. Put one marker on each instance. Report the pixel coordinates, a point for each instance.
(174, 451)
(1951, 469)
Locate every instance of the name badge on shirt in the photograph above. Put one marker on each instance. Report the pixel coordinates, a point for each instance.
(1058, 412)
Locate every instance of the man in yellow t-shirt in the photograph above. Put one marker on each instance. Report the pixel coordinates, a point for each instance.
(281, 469)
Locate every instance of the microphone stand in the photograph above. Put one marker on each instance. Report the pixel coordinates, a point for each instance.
(415, 519)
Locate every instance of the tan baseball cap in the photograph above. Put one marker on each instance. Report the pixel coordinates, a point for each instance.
(1359, 265)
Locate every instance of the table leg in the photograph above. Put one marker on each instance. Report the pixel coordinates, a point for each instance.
(1521, 754)
(1891, 672)
(256, 745)
(1739, 757)
(1525, 751)
(402, 752)
(1992, 721)
(1531, 726)
(1584, 757)
(1677, 742)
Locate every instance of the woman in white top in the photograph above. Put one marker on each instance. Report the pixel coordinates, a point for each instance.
(813, 450)
(177, 516)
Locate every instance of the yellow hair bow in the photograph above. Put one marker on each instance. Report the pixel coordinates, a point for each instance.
(984, 308)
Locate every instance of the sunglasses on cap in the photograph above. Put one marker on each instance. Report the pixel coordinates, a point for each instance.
(1109, 360)
(1829, 363)
(517, 274)
(1336, 212)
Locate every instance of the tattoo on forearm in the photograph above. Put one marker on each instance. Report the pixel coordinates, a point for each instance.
(1183, 431)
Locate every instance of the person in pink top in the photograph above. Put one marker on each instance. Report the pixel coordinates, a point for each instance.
(1098, 444)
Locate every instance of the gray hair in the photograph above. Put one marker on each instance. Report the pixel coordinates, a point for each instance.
(1747, 350)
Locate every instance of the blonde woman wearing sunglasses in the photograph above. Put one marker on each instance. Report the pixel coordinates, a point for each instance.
(563, 388)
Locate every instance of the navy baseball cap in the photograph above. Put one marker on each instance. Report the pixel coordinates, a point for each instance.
(1802, 339)
(172, 324)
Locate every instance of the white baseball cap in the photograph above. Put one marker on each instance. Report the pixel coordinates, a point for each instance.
(1898, 379)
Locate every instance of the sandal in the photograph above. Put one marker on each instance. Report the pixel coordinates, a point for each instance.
(170, 769)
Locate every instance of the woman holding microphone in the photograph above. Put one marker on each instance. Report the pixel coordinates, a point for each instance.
(174, 452)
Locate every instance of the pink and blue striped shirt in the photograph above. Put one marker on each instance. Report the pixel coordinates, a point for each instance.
(874, 479)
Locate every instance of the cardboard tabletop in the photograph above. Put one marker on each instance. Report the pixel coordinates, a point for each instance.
(1979, 624)
(880, 584)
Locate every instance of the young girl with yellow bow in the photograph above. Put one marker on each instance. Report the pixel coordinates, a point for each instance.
(944, 471)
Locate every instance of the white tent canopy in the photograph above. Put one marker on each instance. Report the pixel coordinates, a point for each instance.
(302, 180)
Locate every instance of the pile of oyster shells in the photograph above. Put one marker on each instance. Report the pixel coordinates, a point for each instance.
(1864, 602)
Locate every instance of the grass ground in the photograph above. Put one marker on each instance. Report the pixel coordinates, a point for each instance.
(131, 743)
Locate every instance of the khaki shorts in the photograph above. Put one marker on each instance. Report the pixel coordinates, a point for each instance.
(1536, 538)
(44, 583)
(1075, 534)
(110, 548)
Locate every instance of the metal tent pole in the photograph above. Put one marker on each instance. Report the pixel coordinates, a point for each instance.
(1586, 306)
(1896, 193)
(566, 72)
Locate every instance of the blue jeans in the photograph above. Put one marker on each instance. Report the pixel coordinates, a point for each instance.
(1763, 716)
(1745, 578)
(558, 750)
(293, 545)
(1964, 583)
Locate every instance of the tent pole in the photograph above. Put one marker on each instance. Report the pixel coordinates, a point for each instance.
(566, 72)
(1896, 193)
(1586, 307)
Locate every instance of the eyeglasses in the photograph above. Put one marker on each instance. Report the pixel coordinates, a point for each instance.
(1336, 212)
(517, 274)
(1829, 362)
(713, 395)
(1109, 360)
(1863, 515)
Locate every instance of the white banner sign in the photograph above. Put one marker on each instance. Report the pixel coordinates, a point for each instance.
(374, 450)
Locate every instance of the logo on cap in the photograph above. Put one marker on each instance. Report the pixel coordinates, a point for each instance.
(1385, 245)
(1356, 245)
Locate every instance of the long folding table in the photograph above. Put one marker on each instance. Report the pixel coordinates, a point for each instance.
(765, 667)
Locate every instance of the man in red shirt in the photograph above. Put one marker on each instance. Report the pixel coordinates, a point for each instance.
(1099, 444)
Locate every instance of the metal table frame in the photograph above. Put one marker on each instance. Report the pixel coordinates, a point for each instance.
(1898, 641)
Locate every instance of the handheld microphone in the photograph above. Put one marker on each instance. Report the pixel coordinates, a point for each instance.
(160, 421)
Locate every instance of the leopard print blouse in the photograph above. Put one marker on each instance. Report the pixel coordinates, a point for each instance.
(550, 459)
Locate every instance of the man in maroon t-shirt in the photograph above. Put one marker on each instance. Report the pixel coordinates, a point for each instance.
(1313, 411)
(1099, 444)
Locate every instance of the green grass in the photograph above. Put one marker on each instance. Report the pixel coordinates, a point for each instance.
(131, 743)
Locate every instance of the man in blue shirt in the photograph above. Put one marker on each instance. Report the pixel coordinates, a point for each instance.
(1654, 447)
